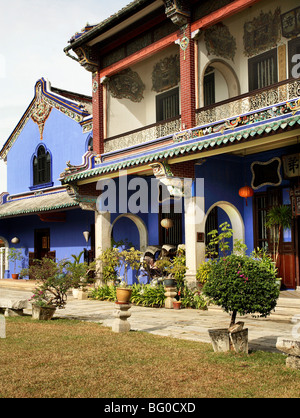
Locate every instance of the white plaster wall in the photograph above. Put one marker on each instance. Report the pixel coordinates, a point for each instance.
(236, 28)
(123, 115)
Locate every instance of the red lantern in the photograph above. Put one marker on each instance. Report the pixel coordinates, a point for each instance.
(246, 192)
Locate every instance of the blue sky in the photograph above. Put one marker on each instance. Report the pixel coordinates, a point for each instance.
(33, 35)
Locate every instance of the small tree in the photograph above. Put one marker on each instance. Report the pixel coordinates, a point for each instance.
(242, 284)
(14, 255)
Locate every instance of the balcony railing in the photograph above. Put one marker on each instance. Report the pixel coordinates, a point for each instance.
(139, 136)
(248, 102)
(258, 99)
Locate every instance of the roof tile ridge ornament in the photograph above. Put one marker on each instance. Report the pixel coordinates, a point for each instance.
(40, 110)
(87, 164)
(178, 11)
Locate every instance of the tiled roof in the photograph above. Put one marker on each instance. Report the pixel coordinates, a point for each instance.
(194, 145)
(37, 204)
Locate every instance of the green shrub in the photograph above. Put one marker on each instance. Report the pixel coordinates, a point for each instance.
(104, 293)
(148, 295)
(242, 284)
(192, 298)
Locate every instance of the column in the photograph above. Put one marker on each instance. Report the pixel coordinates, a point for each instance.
(194, 229)
(98, 114)
(187, 78)
(102, 237)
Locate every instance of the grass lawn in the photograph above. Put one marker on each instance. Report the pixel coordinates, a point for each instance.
(73, 359)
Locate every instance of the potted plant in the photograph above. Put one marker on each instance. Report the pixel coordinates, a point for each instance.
(128, 258)
(240, 284)
(177, 302)
(14, 255)
(80, 272)
(53, 284)
(278, 218)
(110, 259)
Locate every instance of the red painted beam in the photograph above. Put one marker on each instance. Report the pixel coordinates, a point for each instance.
(148, 51)
(223, 13)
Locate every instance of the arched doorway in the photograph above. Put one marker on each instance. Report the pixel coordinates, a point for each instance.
(218, 82)
(140, 225)
(131, 230)
(228, 213)
(3, 257)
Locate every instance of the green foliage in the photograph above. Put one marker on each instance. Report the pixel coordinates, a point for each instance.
(55, 278)
(192, 298)
(242, 284)
(148, 295)
(219, 240)
(111, 262)
(278, 218)
(14, 255)
(239, 283)
(129, 258)
(105, 293)
(80, 272)
(202, 272)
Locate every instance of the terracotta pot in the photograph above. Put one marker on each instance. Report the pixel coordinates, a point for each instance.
(177, 304)
(123, 294)
(44, 313)
(15, 276)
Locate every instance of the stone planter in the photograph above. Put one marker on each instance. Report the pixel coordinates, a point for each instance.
(43, 313)
(169, 282)
(223, 340)
(292, 349)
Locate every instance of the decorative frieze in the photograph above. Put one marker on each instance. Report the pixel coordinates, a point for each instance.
(166, 74)
(262, 33)
(127, 85)
(219, 41)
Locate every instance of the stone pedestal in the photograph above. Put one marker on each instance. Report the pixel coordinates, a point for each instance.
(121, 313)
(292, 349)
(170, 294)
(2, 327)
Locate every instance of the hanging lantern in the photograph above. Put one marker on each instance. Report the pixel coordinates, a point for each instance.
(167, 223)
(246, 192)
(86, 235)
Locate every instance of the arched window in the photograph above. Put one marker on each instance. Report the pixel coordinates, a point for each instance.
(41, 167)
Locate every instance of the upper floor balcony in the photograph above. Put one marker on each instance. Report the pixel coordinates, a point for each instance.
(248, 103)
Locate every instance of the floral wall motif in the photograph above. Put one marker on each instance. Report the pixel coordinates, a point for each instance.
(166, 73)
(220, 42)
(40, 111)
(127, 85)
(262, 33)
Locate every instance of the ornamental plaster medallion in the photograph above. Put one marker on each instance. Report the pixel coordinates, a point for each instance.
(95, 86)
(40, 111)
(166, 73)
(220, 42)
(127, 85)
(262, 33)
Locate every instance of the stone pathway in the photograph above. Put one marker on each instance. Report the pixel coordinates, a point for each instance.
(189, 324)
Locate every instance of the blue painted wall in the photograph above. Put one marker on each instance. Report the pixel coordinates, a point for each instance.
(66, 238)
(62, 136)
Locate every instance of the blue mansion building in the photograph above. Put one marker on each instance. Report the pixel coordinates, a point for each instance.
(36, 213)
(195, 115)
